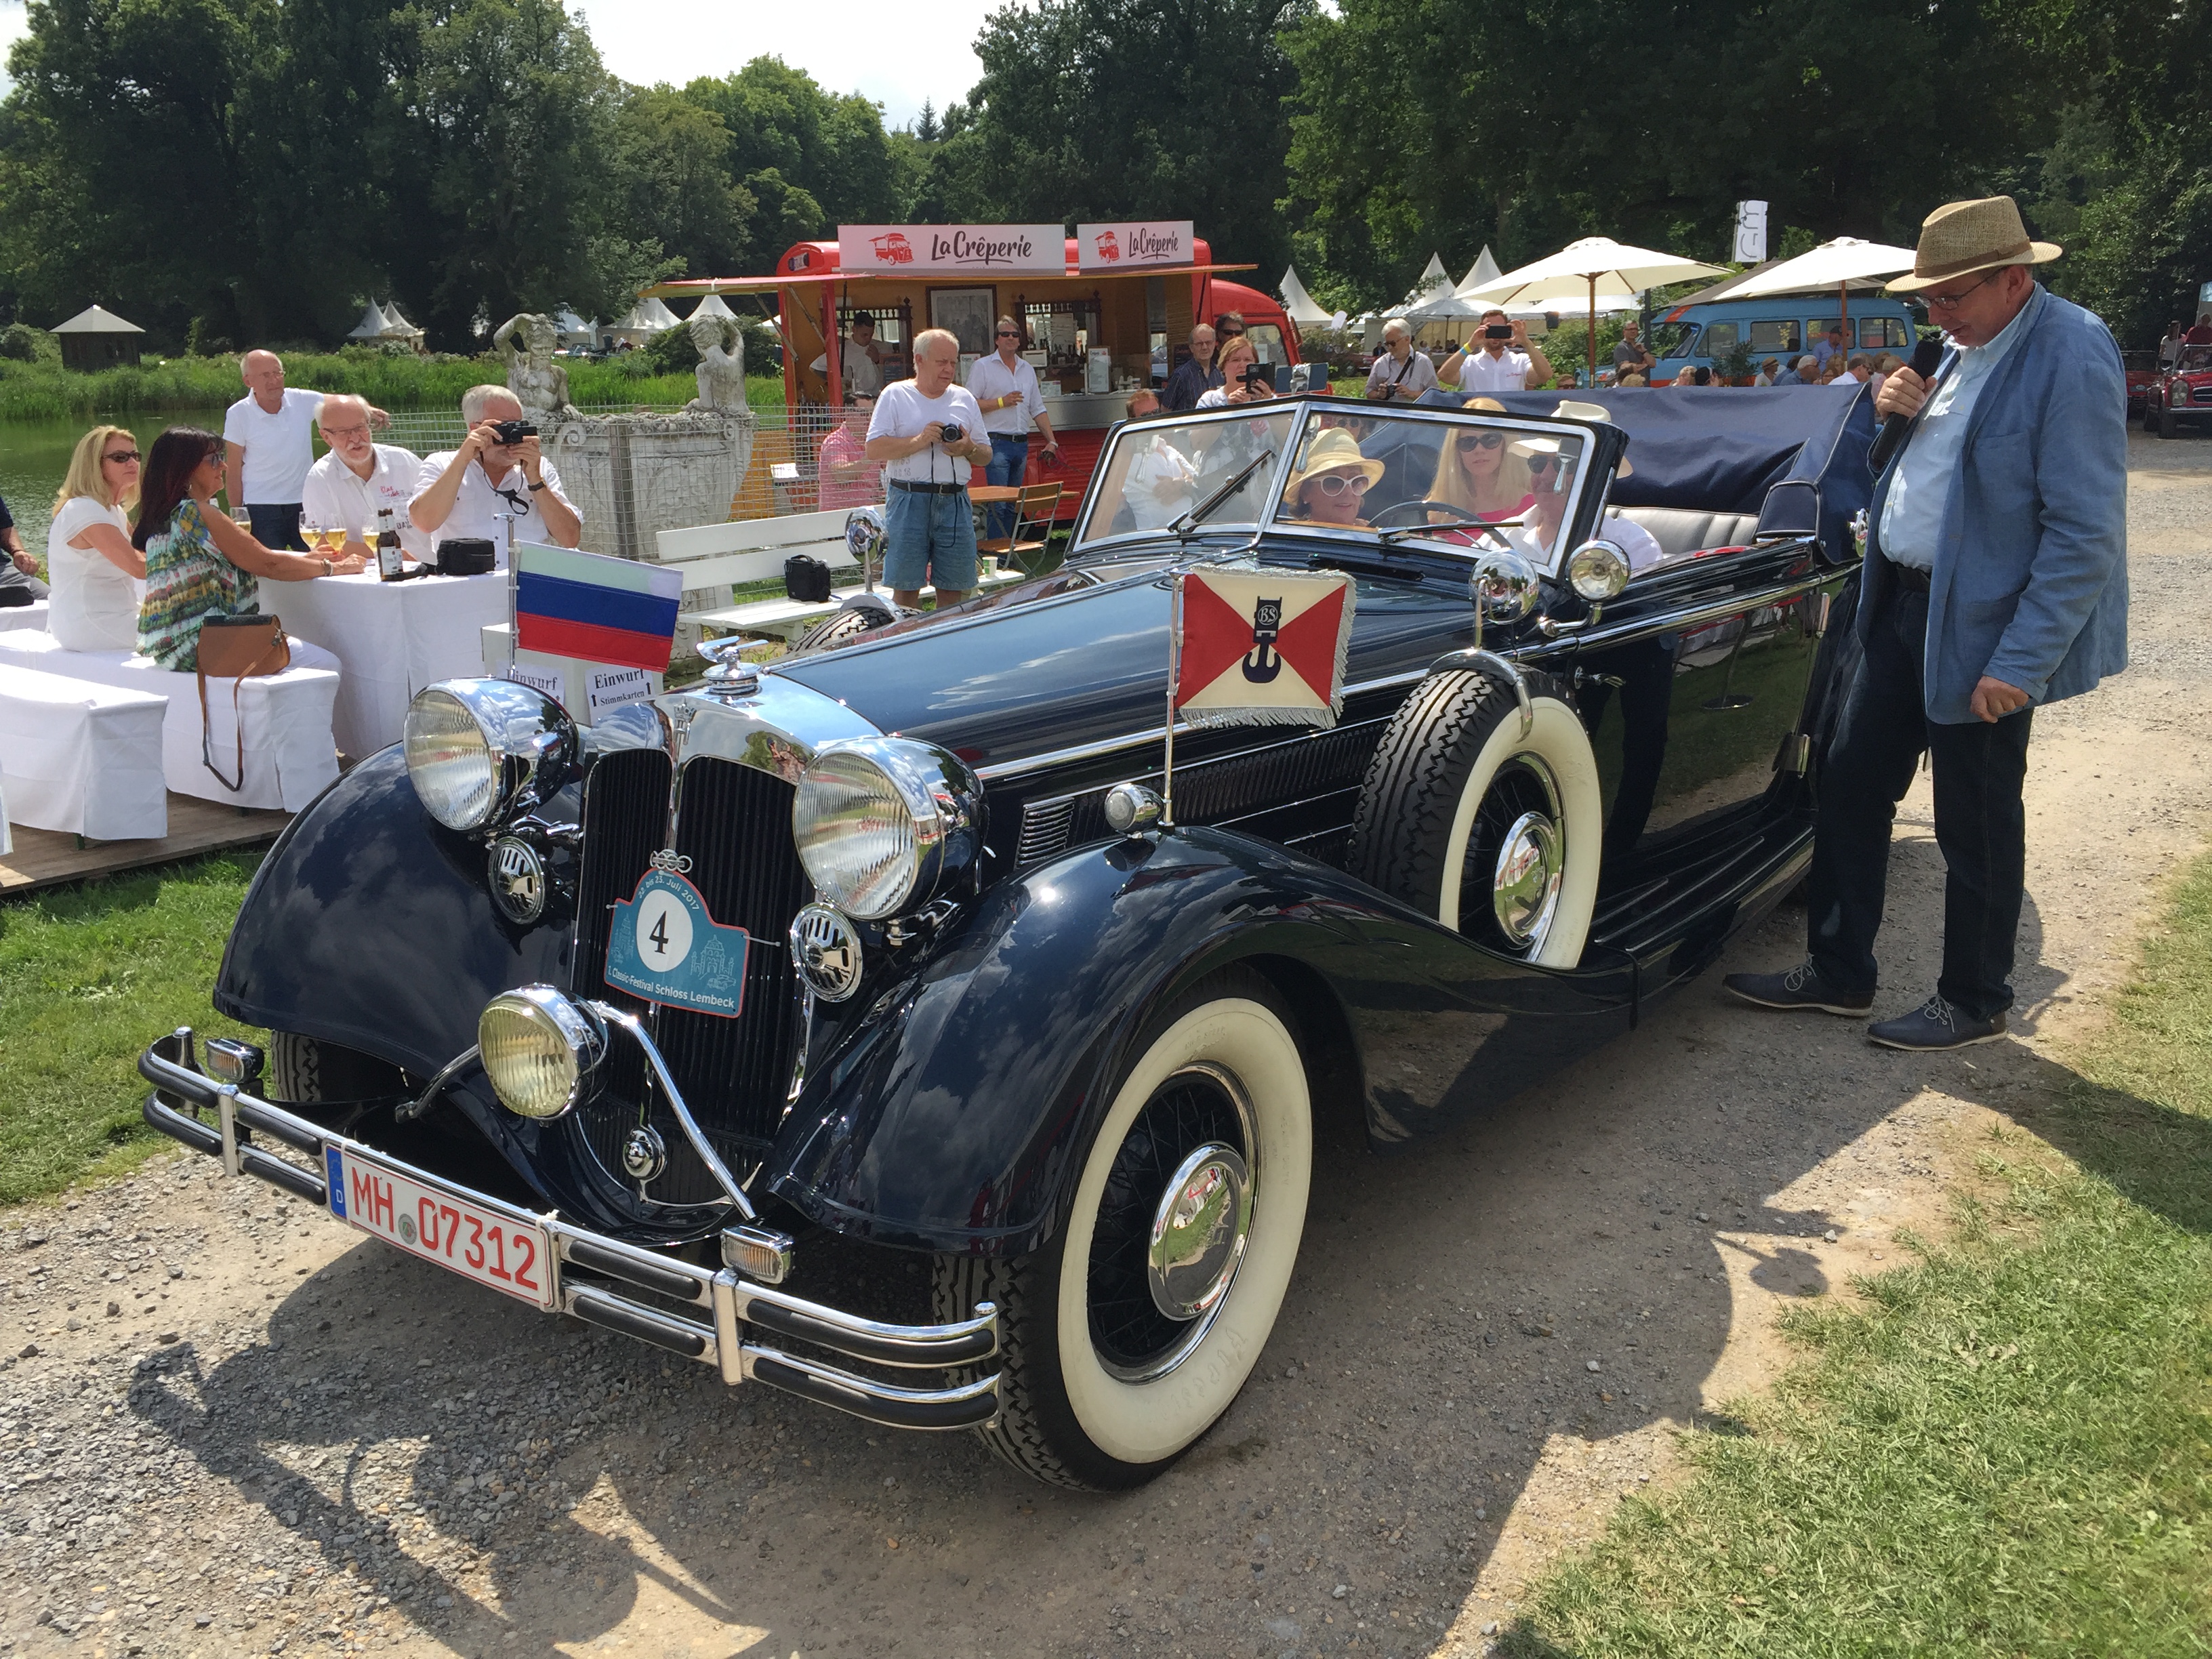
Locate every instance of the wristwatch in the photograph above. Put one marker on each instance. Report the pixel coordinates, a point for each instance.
(327, 566)
(535, 488)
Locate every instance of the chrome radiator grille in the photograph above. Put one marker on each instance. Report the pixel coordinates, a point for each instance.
(734, 824)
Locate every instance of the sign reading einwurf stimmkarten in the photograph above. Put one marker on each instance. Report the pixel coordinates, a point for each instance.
(953, 249)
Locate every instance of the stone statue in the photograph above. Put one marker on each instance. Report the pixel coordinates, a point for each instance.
(721, 348)
(538, 383)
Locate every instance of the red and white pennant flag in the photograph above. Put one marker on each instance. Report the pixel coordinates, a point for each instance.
(1262, 647)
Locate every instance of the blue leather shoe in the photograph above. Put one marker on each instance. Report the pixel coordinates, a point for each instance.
(1936, 1024)
(1800, 990)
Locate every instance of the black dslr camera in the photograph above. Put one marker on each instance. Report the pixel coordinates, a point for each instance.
(513, 432)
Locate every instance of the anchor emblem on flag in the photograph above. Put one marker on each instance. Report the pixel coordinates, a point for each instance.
(1263, 665)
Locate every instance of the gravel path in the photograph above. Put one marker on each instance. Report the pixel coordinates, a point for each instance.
(226, 1428)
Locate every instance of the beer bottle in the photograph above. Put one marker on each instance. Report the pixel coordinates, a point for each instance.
(388, 551)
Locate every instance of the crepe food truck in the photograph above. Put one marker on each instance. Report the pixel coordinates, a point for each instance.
(1094, 307)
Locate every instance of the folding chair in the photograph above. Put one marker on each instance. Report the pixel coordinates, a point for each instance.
(1035, 509)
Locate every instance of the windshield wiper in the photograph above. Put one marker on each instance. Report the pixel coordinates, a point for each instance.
(1392, 538)
(1183, 528)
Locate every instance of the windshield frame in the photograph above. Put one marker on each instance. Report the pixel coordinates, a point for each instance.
(1303, 410)
(1080, 545)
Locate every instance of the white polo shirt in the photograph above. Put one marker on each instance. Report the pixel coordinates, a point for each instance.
(335, 497)
(854, 367)
(480, 510)
(1507, 372)
(990, 378)
(279, 447)
(901, 411)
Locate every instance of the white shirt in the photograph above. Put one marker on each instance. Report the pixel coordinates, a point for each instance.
(334, 497)
(901, 411)
(1162, 485)
(479, 510)
(990, 378)
(93, 606)
(1912, 516)
(1507, 372)
(853, 365)
(278, 446)
(1411, 378)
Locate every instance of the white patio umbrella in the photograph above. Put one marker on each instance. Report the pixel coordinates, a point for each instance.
(1601, 266)
(1843, 264)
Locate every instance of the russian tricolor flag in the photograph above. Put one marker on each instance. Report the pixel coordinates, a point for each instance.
(599, 609)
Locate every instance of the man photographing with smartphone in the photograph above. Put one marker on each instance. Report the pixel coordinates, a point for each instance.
(1503, 359)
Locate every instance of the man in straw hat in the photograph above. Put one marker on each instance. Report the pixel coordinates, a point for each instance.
(1996, 579)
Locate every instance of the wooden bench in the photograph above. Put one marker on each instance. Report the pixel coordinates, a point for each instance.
(716, 556)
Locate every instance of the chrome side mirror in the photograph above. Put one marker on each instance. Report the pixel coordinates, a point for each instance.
(865, 537)
(1505, 589)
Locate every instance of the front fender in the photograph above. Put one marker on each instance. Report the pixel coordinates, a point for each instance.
(954, 1113)
(370, 925)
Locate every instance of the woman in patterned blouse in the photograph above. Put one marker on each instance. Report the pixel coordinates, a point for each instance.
(198, 563)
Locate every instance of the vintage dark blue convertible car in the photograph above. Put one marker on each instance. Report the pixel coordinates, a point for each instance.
(928, 984)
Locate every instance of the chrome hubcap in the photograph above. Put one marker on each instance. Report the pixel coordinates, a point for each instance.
(1525, 884)
(1198, 1231)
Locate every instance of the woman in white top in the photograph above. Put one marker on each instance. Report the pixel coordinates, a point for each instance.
(98, 578)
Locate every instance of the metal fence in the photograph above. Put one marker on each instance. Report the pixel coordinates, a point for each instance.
(782, 476)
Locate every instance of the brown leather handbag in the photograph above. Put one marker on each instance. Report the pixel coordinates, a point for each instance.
(236, 648)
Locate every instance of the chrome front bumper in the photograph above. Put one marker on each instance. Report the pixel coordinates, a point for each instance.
(596, 1278)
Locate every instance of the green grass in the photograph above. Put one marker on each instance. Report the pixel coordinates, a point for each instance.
(2009, 1451)
(45, 390)
(88, 976)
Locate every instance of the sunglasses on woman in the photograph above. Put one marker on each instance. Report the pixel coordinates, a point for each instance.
(1336, 483)
(122, 456)
(1482, 441)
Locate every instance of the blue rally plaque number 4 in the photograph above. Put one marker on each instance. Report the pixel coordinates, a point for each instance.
(666, 948)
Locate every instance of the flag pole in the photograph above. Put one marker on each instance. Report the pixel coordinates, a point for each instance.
(1174, 674)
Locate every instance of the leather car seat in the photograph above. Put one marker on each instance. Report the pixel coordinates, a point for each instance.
(1683, 530)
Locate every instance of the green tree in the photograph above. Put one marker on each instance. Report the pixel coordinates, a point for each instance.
(1101, 109)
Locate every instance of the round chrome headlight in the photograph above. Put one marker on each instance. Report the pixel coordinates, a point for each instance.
(539, 1050)
(882, 821)
(475, 749)
(1597, 570)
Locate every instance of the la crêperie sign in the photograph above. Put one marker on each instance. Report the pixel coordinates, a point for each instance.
(1011, 249)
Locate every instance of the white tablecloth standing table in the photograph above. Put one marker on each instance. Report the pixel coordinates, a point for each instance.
(81, 758)
(290, 759)
(391, 639)
(32, 616)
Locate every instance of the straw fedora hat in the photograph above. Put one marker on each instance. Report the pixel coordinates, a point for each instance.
(1962, 237)
(1568, 410)
(1334, 451)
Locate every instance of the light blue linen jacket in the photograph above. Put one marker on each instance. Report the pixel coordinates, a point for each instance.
(2030, 585)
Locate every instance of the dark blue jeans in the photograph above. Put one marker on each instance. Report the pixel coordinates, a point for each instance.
(276, 525)
(1010, 460)
(1980, 824)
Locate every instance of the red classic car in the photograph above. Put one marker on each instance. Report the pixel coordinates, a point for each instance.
(2141, 370)
(2181, 392)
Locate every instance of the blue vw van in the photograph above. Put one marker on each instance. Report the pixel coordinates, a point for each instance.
(1783, 327)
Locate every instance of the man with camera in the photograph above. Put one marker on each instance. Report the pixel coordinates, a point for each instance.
(1401, 373)
(496, 486)
(1505, 360)
(928, 432)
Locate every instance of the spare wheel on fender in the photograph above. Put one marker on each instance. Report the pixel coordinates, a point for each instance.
(1494, 829)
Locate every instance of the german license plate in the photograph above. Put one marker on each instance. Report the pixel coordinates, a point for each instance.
(489, 1246)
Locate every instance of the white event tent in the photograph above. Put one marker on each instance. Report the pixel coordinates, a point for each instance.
(1299, 304)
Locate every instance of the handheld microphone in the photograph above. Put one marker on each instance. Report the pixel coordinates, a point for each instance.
(1926, 357)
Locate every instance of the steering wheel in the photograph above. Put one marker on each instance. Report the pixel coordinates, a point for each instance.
(1473, 521)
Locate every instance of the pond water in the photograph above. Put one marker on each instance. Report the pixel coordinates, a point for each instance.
(34, 454)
